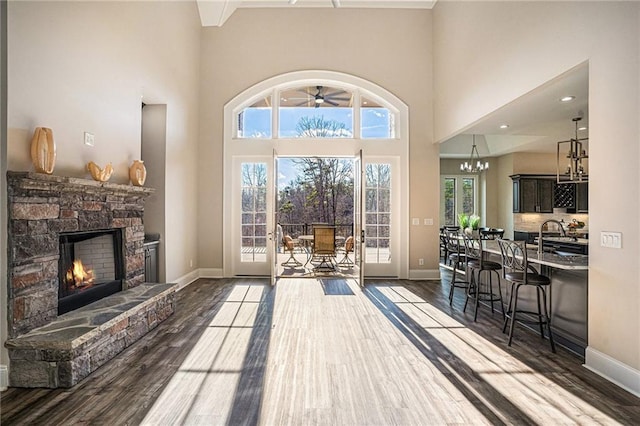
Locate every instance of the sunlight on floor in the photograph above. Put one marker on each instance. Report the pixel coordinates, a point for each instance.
(215, 363)
(536, 396)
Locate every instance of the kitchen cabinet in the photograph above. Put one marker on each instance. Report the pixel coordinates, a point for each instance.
(151, 261)
(532, 194)
(582, 197)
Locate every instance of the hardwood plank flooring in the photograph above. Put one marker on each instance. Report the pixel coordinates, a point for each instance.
(326, 351)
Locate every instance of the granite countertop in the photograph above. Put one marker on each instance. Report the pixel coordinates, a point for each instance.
(575, 262)
(569, 240)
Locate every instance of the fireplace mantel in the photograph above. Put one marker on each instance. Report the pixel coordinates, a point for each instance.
(41, 207)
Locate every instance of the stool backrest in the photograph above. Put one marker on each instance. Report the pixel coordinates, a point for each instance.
(514, 255)
(472, 247)
(454, 244)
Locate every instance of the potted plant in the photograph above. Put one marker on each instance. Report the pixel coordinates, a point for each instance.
(469, 224)
(463, 221)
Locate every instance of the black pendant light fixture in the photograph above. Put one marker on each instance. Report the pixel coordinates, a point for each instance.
(574, 172)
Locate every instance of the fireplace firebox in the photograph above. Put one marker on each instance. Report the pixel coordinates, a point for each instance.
(90, 267)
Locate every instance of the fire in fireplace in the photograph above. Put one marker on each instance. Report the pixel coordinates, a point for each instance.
(90, 267)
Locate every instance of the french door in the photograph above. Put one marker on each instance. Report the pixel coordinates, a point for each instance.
(252, 226)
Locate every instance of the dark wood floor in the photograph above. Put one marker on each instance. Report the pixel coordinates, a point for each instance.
(326, 352)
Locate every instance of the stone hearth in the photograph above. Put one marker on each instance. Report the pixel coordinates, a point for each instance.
(67, 350)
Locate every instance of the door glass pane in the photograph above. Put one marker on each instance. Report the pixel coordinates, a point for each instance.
(253, 247)
(378, 213)
(450, 201)
(468, 196)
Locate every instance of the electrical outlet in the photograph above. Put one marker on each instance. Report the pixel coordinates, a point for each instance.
(611, 239)
(421, 262)
(89, 139)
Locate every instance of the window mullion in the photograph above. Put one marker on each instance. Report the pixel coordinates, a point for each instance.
(275, 114)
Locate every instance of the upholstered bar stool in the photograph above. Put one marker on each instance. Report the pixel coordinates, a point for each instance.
(458, 261)
(519, 273)
(477, 289)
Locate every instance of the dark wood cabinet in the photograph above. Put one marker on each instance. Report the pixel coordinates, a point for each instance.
(151, 261)
(582, 197)
(532, 194)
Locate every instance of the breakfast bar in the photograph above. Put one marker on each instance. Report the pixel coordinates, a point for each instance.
(569, 273)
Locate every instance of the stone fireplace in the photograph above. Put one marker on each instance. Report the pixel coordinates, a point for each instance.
(76, 291)
(44, 207)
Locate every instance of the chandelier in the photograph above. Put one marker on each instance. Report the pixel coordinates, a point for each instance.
(474, 164)
(574, 171)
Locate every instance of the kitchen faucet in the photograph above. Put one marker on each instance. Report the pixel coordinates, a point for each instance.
(564, 234)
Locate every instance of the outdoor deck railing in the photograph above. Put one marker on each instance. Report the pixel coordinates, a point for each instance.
(297, 229)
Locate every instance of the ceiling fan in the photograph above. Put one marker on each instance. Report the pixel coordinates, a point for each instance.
(322, 97)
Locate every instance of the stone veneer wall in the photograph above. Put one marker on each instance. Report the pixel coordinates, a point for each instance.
(43, 206)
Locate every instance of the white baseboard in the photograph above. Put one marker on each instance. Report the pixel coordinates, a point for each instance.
(187, 279)
(424, 274)
(210, 273)
(626, 377)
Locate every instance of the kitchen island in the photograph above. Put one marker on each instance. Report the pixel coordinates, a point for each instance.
(567, 297)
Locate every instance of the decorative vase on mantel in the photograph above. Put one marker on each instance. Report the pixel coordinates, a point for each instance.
(137, 173)
(99, 174)
(43, 150)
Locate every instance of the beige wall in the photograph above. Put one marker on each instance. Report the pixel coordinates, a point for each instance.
(391, 48)
(86, 66)
(515, 52)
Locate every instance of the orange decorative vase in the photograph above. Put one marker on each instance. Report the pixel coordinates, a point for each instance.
(101, 175)
(43, 150)
(138, 173)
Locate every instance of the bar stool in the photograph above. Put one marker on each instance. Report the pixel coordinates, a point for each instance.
(477, 264)
(519, 273)
(458, 260)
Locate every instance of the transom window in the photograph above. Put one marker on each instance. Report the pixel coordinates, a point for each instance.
(316, 111)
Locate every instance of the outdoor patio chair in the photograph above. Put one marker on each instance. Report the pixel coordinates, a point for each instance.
(289, 245)
(324, 249)
(348, 248)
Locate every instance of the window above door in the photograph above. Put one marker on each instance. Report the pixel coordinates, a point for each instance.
(312, 111)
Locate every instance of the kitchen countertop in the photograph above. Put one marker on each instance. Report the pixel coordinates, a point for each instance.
(575, 262)
(570, 240)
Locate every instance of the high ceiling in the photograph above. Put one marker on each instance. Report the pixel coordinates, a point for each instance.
(214, 13)
(536, 120)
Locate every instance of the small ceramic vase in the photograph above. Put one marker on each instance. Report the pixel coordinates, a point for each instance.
(43, 150)
(137, 173)
(101, 175)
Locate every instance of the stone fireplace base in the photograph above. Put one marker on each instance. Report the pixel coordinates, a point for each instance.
(67, 350)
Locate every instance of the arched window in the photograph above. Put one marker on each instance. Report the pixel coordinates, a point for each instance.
(316, 111)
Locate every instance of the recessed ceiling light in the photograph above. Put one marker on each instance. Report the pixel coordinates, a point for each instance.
(504, 126)
(567, 98)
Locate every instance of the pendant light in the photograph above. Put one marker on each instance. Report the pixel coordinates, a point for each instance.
(474, 164)
(574, 172)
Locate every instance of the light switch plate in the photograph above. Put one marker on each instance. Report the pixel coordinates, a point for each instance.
(611, 239)
(415, 221)
(428, 221)
(89, 139)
